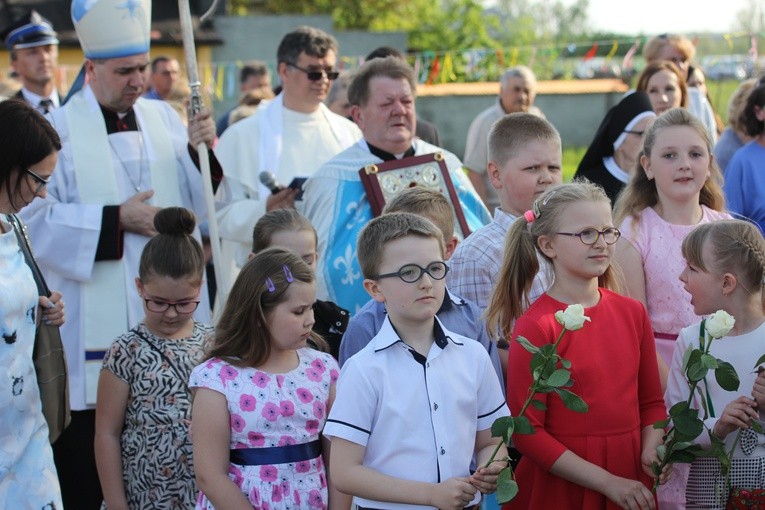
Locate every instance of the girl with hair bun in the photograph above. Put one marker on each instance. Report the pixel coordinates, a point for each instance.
(143, 442)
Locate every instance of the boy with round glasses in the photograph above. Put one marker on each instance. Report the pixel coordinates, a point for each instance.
(416, 405)
(457, 314)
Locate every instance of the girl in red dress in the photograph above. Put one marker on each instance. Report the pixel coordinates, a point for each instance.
(600, 459)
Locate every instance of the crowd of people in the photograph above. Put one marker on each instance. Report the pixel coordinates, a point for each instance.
(360, 357)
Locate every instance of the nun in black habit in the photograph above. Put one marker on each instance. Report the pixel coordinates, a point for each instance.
(613, 153)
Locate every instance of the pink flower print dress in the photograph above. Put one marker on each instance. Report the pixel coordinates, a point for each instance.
(275, 410)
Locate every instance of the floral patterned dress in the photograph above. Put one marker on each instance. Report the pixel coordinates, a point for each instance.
(157, 461)
(28, 478)
(271, 410)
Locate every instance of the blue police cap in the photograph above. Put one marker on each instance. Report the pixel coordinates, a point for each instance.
(29, 31)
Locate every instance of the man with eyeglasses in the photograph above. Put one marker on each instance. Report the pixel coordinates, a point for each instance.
(290, 137)
(123, 158)
(33, 47)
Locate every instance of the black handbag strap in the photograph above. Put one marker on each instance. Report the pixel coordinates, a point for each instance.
(26, 248)
(164, 357)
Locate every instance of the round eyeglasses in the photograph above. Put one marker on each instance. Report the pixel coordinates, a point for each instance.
(590, 235)
(162, 306)
(41, 182)
(318, 74)
(411, 273)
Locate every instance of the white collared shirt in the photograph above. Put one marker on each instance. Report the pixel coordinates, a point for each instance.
(34, 100)
(417, 419)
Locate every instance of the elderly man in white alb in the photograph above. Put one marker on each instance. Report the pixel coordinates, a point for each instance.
(123, 158)
(290, 137)
(382, 94)
(517, 91)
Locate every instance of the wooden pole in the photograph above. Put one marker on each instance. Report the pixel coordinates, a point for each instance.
(189, 49)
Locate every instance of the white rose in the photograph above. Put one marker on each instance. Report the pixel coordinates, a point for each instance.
(719, 324)
(572, 318)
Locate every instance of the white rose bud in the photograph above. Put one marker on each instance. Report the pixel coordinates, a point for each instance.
(719, 324)
(572, 318)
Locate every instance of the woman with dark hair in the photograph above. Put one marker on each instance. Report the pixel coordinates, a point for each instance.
(665, 85)
(744, 177)
(613, 153)
(27, 473)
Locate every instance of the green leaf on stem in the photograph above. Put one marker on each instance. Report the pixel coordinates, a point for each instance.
(548, 351)
(533, 349)
(678, 408)
(760, 361)
(572, 401)
(565, 363)
(696, 369)
(709, 361)
(539, 405)
(757, 427)
(507, 488)
(683, 456)
(538, 362)
(661, 424)
(655, 468)
(683, 445)
(687, 357)
(687, 424)
(558, 378)
(522, 425)
(502, 427)
(726, 376)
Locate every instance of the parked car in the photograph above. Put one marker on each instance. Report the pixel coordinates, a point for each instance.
(728, 67)
(597, 67)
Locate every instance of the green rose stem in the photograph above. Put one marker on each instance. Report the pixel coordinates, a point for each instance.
(670, 446)
(532, 391)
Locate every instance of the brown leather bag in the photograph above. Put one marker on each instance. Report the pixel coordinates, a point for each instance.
(48, 354)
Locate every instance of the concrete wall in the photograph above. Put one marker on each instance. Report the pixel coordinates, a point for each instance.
(576, 116)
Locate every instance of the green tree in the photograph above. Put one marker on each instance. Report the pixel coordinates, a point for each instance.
(431, 25)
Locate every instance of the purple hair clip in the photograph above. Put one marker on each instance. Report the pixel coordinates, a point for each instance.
(288, 274)
(270, 284)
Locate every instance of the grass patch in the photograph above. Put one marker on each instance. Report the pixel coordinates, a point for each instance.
(571, 158)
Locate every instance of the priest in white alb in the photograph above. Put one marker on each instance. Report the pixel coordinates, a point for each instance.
(289, 137)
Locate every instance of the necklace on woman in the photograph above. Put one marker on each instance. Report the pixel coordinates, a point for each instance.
(136, 185)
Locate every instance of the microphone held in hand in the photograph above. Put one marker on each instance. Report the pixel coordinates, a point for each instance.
(268, 179)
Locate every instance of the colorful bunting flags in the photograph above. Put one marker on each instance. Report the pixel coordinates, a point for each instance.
(220, 79)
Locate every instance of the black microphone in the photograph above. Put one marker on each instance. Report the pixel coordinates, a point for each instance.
(268, 180)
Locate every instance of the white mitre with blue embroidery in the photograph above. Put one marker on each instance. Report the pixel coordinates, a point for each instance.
(112, 28)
